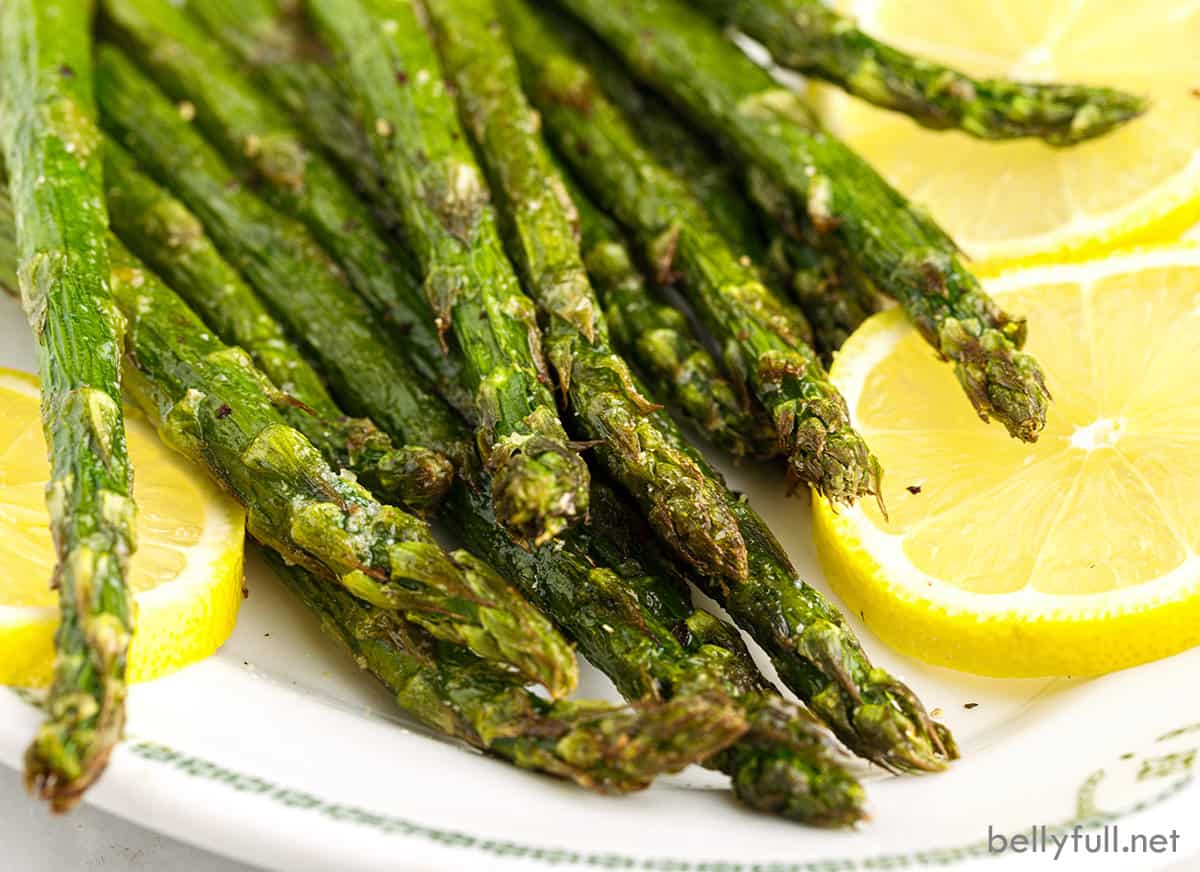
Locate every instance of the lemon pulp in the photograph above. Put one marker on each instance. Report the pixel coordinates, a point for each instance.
(1082, 548)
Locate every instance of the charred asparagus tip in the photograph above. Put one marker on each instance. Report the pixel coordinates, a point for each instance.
(824, 452)
(540, 489)
(633, 747)
(877, 717)
(56, 773)
(787, 765)
(1001, 382)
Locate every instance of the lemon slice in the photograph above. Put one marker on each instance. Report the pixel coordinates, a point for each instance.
(186, 574)
(1075, 556)
(1023, 200)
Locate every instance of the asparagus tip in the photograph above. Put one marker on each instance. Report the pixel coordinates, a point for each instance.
(508, 630)
(826, 453)
(1001, 382)
(539, 488)
(877, 717)
(56, 772)
(416, 477)
(623, 752)
(1095, 112)
(786, 765)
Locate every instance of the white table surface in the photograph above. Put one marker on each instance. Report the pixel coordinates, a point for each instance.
(88, 840)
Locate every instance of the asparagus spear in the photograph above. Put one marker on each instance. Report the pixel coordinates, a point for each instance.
(211, 404)
(164, 233)
(438, 190)
(658, 338)
(51, 148)
(686, 508)
(599, 746)
(637, 626)
(279, 258)
(811, 37)
(717, 183)
(685, 57)
(258, 138)
(760, 337)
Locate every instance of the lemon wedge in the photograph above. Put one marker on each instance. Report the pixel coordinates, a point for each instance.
(186, 574)
(1075, 556)
(1025, 201)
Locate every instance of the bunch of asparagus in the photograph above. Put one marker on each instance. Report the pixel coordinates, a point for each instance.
(469, 260)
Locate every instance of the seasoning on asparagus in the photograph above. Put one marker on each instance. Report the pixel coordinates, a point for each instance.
(210, 403)
(637, 625)
(685, 507)
(685, 57)
(258, 138)
(280, 259)
(812, 37)
(606, 748)
(659, 340)
(52, 152)
(540, 481)
(760, 337)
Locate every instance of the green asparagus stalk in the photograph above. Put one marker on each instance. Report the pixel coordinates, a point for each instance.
(8, 242)
(717, 183)
(51, 149)
(258, 138)
(811, 37)
(168, 237)
(640, 629)
(761, 338)
(274, 43)
(210, 403)
(832, 294)
(832, 291)
(540, 482)
(595, 744)
(280, 259)
(658, 339)
(685, 57)
(685, 507)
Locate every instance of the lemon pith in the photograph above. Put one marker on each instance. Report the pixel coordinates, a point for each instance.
(186, 574)
(1029, 202)
(1075, 556)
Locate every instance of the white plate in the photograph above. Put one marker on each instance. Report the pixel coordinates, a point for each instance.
(280, 753)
